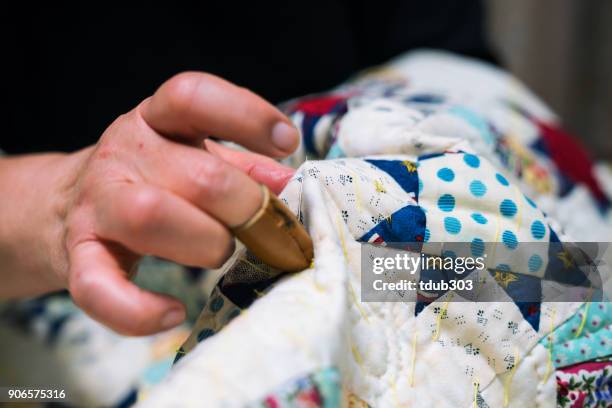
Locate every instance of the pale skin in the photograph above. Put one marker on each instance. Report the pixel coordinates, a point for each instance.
(153, 184)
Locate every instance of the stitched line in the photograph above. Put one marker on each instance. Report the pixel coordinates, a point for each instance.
(345, 253)
(586, 312)
(476, 385)
(357, 357)
(357, 304)
(357, 191)
(508, 381)
(550, 347)
(413, 359)
(436, 334)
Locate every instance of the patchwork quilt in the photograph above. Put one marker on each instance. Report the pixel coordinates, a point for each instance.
(431, 148)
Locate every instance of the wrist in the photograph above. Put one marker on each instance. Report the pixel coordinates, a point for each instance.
(37, 192)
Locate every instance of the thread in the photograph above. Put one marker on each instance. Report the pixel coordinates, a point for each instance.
(587, 305)
(508, 381)
(550, 347)
(357, 356)
(357, 191)
(357, 303)
(413, 359)
(436, 334)
(476, 385)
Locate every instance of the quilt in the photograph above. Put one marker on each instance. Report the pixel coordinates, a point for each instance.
(430, 148)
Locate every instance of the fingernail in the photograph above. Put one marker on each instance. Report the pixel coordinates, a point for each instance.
(173, 318)
(284, 137)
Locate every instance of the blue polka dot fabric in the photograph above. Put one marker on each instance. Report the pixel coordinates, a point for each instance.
(467, 199)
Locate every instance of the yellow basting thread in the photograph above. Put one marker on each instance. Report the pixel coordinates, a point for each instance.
(380, 188)
(258, 293)
(550, 347)
(357, 356)
(436, 334)
(587, 305)
(508, 381)
(345, 252)
(357, 191)
(357, 303)
(413, 359)
(393, 385)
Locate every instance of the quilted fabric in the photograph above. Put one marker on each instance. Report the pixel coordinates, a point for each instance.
(432, 148)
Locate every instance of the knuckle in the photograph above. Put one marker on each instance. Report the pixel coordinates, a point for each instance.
(212, 180)
(180, 90)
(80, 287)
(142, 210)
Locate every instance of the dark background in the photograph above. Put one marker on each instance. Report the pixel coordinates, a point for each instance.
(67, 72)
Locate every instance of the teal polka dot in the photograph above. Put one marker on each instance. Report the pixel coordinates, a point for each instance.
(502, 180)
(538, 230)
(530, 201)
(216, 304)
(471, 160)
(503, 268)
(507, 208)
(205, 333)
(446, 202)
(446, 174)
(477, 247)
(479, 218)
(535, 263)
(509, 239)
(452, 225)
(478, 188)
(427, 235)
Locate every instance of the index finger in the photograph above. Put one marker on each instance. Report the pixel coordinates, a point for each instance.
(193, 105)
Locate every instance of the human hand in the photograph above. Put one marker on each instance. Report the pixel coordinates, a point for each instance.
(154, 185)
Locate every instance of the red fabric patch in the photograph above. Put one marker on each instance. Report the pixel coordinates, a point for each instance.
(570, 157)
(319, 105)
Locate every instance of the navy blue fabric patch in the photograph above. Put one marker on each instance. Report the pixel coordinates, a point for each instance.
(566, 185)
(403, 172)
(308, 124)
(405, 225)
(430, 156)
(531, 313)
(424, 98)
(525, 287)
(540, 146)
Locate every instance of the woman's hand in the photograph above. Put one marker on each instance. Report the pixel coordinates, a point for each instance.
(151, 185)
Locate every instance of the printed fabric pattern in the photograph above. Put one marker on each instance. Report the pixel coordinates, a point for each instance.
(405, 153)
